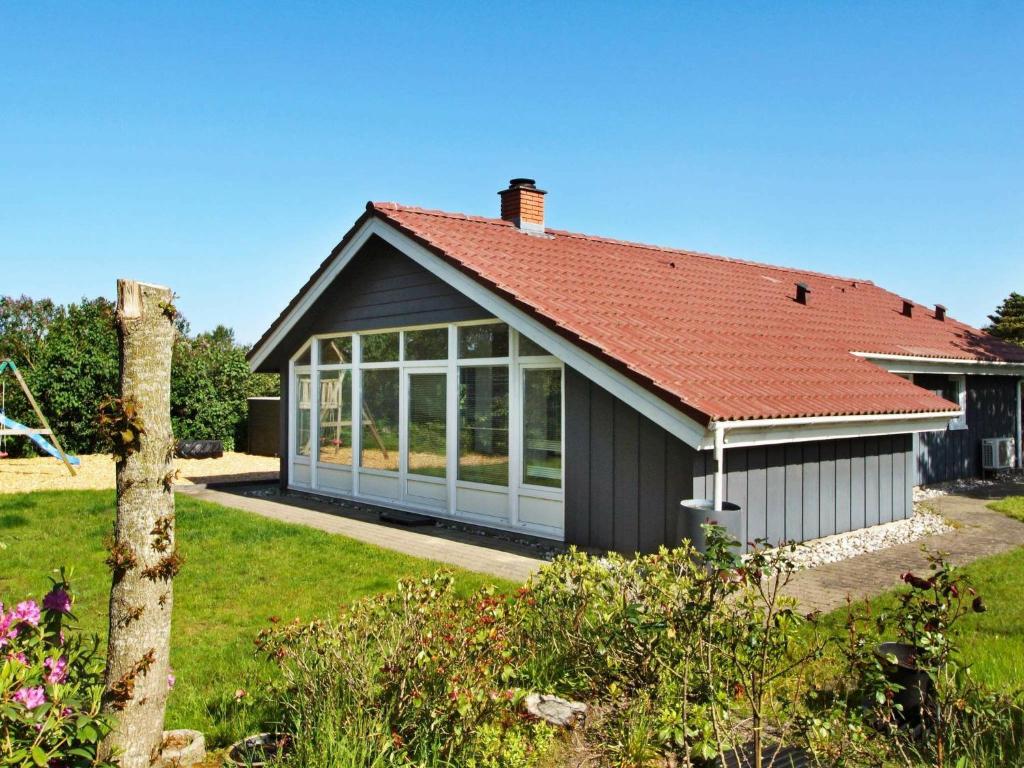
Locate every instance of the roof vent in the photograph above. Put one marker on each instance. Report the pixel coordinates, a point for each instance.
(801, 293)
(523, 204)
(940, 312)
(908, 308)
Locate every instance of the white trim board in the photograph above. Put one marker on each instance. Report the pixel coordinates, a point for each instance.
(739, 434)
(939, 365)
(650, 405)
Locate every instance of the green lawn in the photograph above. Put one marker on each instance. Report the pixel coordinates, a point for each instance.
(1012, 506)
(992, 642)
(239, 570)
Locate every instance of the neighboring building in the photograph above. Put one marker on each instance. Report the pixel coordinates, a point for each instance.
(578, 388)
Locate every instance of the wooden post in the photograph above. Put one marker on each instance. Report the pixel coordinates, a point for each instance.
(143, 556)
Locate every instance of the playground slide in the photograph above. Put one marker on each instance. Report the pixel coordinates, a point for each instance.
(39, 440)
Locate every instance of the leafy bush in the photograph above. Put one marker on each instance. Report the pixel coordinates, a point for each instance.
(418, 676)
(51, 683)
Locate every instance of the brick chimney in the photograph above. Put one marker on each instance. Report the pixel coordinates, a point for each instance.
(523, 204)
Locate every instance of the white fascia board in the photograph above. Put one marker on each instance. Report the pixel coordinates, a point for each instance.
(352, 247)
(650, 405)
(672, 420)
(939, 365)
(744, 434)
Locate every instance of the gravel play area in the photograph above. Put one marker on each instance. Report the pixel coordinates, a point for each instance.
(97, 471)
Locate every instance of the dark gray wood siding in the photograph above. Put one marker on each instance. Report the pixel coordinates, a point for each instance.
(625, 475)
(379, 288)
(802, 491)
(956, 453)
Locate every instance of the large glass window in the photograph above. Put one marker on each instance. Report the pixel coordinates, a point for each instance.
(529, 348)
(302, 420)
(542, 427)
(483, 340)
(429, 344)
(380, 347)
(379, 437)
(336, 350)
(483, 424)
(428, 399)
(335, 425)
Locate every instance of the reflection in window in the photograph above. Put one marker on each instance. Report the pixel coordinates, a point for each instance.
(483, 340)
(429, 344)
(427, 424)
(302, 405)
(380, 347)
(528, 348)
(335, 351)
(379, 437)
(306, 356)
(483, 424)
(542, 427)
(335, 425)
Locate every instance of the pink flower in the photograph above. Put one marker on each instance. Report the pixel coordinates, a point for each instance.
(7, 629)
(30, 697)
(57, 670)
(58, 601)
(171, 679)
(18, 657)
(27, 612)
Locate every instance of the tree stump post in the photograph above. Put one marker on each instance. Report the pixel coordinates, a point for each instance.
(143, 557)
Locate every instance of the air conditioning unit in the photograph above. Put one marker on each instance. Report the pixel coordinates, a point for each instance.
(997, 453)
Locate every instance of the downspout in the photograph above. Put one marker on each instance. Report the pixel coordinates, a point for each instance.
(720, 463)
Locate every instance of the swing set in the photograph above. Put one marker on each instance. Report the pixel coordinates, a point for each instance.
(11, 428)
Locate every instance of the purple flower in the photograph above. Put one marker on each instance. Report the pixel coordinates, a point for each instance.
(8, 628)
(30, 697)
(58, 601)
(27, 612)
(18, 657)
(56, 670)
(171, 679)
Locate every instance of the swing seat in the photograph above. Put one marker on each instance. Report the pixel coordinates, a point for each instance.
(4, 454)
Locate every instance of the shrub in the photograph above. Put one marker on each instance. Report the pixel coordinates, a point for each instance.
(51, 683)
(420, 675)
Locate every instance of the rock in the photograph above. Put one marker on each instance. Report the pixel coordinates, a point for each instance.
(182, 748)
(554, 710)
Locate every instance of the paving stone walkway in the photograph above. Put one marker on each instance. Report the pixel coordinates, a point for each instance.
(979, 532)
(497, 557)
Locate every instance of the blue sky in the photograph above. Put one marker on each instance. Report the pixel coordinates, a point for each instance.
(223, 149)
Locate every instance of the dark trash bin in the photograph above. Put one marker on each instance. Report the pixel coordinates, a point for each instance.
(899, 662)
(696, 512)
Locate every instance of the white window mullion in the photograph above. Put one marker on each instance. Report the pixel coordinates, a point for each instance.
(293, 385)
(452, 429)
(314, 412)
(357, 410)
(515, 427)
(403, 431)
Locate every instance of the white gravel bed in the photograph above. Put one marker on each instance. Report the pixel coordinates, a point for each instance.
(842, 546)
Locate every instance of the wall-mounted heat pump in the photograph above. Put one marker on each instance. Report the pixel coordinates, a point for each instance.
(997, 453)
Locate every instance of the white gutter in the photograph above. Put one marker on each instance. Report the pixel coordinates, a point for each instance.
(719, 464)
(784, 422)
(937, 360)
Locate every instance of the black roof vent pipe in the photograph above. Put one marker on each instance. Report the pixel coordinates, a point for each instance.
(940, 312)
(908, 308)
(801, 293)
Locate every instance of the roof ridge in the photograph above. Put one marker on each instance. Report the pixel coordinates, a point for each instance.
(386, 206)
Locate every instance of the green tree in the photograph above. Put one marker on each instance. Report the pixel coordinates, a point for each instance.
(23, 326)
(1008, 320)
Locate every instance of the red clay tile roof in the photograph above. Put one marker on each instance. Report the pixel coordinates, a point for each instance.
(716, 337)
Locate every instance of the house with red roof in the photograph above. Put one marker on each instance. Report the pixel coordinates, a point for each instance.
(506, 374)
